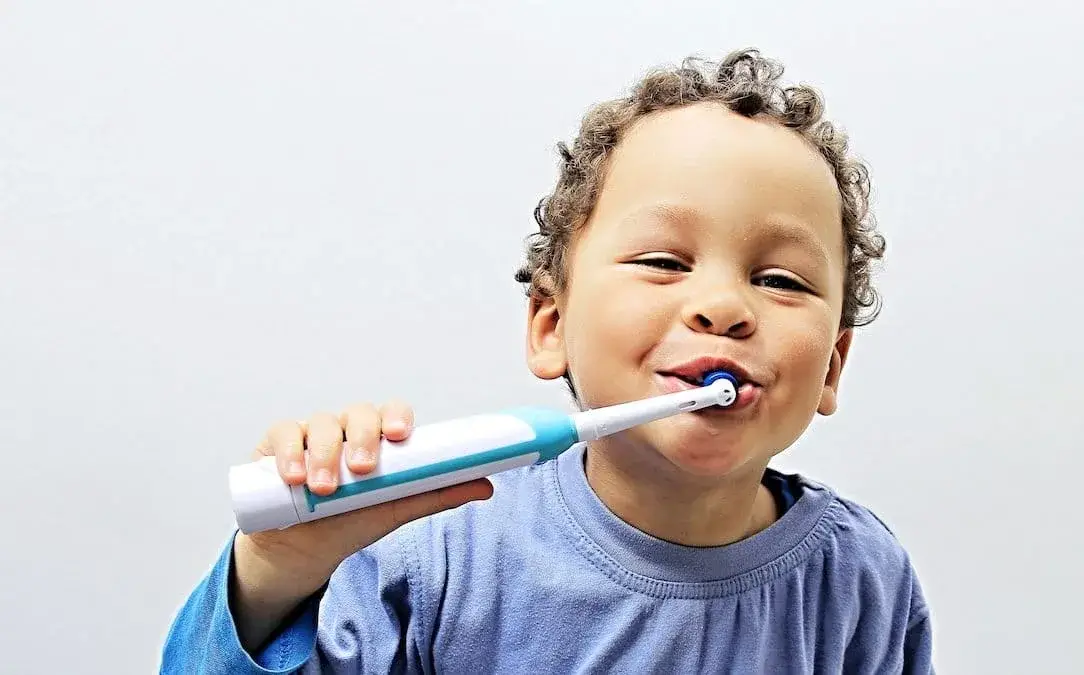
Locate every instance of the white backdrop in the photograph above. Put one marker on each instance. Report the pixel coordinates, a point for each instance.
(214, 215)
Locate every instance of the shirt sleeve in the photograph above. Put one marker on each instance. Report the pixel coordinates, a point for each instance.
(918, 647)
(362, 621)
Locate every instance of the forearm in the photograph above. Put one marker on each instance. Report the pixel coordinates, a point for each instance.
(204, 636)
(268, 585)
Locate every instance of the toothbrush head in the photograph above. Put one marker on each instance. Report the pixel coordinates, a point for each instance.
(717, 375)
(727, 394)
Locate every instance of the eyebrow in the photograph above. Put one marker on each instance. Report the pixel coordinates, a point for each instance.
(781, 230)
(672, 213)
(775, 228)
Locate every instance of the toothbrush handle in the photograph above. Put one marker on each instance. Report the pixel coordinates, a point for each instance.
(434, 456)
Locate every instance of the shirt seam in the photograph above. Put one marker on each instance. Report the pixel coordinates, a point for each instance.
(690, 590)
(413, 575)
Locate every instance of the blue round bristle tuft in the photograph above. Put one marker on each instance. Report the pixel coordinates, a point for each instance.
(716, 375)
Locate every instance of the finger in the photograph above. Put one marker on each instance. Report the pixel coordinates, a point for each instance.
(396, 420)
(324, 441)
(362, 425)
(286, 441)
(355, 530)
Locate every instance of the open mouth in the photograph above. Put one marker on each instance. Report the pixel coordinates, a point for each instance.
(696, 380)
(689, 381)
(695, 370)
(747, 395)
(692, 375)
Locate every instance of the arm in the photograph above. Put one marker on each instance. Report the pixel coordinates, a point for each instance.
(268, 585)
(363, 620)
(918, 646)
(268, 605)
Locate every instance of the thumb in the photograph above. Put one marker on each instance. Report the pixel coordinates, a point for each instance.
(392, 515)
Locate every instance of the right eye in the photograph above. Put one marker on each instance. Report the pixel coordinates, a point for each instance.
(667, 263)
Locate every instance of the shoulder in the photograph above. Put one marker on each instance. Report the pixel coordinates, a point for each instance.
(864, 550)
(875, 591)
(853, 526)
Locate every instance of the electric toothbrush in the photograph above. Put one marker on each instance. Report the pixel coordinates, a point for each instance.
(451, 452)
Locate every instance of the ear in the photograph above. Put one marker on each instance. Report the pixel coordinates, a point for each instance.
(545, 340)
(830, 392)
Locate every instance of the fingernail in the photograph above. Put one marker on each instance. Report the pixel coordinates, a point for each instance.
(395, 426)
(360, 455)
(322, 476)
(296, 467)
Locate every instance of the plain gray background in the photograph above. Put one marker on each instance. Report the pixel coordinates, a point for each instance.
(215, 214)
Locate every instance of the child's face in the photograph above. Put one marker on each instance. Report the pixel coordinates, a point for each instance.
(714, 236)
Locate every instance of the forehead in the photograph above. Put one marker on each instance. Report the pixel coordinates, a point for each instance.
(728, 169)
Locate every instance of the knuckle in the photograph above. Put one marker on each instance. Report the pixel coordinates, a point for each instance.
(325, 436)
(363, 408)
(325, 453)
(284, 436)
(362, 419)
(323, 421)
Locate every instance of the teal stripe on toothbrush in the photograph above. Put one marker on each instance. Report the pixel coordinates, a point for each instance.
(554, 433)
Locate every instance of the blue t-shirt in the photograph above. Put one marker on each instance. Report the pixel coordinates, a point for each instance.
(543, 578)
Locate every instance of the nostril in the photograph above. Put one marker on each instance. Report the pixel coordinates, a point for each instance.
(704, 321)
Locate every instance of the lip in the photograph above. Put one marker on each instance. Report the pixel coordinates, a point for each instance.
(696, 368)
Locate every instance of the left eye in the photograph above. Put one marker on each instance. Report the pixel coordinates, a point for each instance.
(780, 281)
(669, 264)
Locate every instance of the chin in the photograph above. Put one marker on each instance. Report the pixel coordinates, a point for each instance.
(707, 454)
(708, 465)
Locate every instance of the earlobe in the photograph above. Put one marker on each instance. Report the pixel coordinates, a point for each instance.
(545, 342)
(830, 391)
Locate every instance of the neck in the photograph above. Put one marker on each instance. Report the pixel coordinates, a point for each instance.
(665, 504)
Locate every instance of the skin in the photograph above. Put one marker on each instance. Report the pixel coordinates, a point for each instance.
(273, 572)
(714, 235)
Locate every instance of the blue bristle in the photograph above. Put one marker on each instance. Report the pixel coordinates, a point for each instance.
(716, 375)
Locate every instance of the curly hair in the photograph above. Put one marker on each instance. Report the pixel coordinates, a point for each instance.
(748, 84)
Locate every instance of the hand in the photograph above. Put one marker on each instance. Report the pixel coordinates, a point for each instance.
(277, 569)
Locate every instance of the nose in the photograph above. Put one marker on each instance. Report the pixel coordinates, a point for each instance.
(721, 310)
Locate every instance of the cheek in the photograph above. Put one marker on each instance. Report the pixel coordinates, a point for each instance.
(610, 327)
(605, 315)
(806, 355)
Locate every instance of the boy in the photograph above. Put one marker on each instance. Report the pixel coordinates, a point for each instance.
(709, 220)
